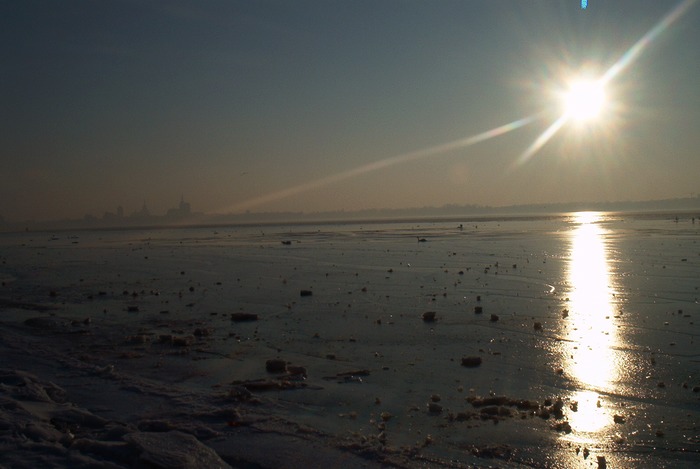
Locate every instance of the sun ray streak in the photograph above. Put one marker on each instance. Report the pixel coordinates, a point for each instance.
(636, 50)
(376, 165)
(542, 139)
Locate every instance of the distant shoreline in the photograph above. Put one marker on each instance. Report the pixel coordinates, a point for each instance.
(514, 213)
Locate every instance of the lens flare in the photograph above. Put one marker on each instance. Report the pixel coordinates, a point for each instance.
(584, 102)
(636, 50)
(585, 99)
(411, 156)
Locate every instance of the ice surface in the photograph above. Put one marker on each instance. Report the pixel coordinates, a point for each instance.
(120, 349)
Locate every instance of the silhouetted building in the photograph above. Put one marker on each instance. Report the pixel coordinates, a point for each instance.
(111, 217)
(182, 211)
(143, 213)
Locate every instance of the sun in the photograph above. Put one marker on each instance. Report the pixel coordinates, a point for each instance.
(584, 100)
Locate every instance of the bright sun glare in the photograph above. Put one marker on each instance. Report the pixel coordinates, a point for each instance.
(584, 100)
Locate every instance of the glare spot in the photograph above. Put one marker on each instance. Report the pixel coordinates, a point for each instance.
(592, 359)
(584, 100)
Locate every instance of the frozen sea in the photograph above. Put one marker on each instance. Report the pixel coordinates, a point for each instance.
(565, 341)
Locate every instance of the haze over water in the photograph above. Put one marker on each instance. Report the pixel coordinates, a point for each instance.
(323, 106)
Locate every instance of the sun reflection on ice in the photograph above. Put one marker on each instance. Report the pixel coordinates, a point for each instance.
(591, 358)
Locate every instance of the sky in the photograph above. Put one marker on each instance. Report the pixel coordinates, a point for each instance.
(278, 105)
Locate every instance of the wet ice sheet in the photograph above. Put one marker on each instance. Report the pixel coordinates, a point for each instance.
(614, 376)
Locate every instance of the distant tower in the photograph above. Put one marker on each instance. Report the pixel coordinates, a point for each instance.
(144, 211)
(120, 211)
(184, 206)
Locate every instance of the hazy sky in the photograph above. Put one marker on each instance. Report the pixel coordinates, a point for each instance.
(323, 105)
